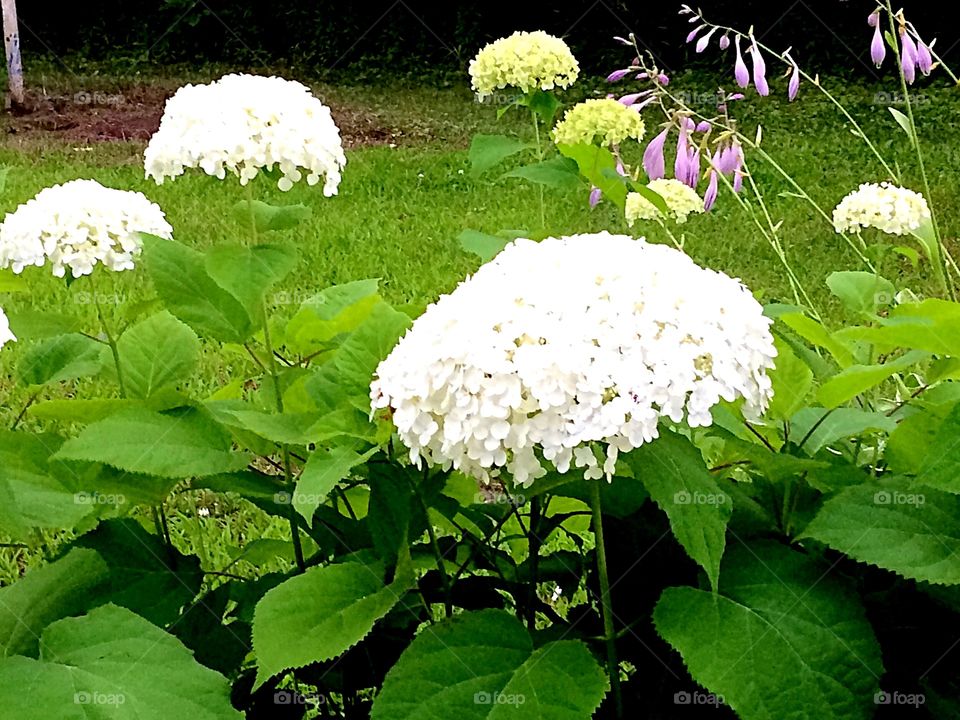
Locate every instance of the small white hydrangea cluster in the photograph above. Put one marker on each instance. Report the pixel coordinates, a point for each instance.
(78, 225)
(888, 208)
(5, 334)
(243, 124)
(570, 351)
(681, 199)
(598, 120)
(524, 60)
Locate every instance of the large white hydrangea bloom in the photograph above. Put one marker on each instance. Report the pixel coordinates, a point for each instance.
(242, 124)
(556, 349)
(78, 225)
(888, 208)
(524, 60)
(5, 334)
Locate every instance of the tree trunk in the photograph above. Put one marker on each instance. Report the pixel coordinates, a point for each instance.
(11, 41)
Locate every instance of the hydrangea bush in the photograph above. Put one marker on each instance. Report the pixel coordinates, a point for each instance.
(594, 480)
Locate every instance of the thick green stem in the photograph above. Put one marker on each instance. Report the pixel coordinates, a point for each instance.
(536, 133)
(274, 374)
(606, 605)
(534, 544)
(111, 339)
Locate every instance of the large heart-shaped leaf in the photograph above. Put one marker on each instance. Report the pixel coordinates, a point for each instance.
(784, 640)
(319, 615)
(172, 446)
(156, 354)
(897, 525)
(673, 472)
(483, 666)
(111, 663)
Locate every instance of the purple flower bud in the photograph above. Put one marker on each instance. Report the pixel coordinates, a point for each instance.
(703, 42)
(740, 71)
(682, 163)
(710, 197)
(908, 57)
(738, 181)
(694, 32)
(878, 49)
(794, 86)
(693, 168)
(653, 162)
(642, 76)
(595, 195)
(663, 79)
(617, 75)
(629, 100)
(729, 159)
(736, 96)
(759, 71)
(924, 57)
(724, 42)
(703, 126)
(874, 19)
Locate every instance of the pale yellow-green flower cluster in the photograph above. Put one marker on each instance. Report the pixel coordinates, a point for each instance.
(888, 208)
(605, 121)
(524, 60)
(681, 199)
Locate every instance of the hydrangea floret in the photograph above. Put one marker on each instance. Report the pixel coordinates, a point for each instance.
(605, 121)
(78, 225)
(681, 200)
(525, 60)
(886, 207)
(245, 124)
(566, 352)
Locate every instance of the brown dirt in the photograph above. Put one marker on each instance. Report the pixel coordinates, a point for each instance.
(134, 115)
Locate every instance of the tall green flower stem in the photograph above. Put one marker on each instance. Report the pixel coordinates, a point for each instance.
(534, 544)
(536, 135)
(606, 605)
(107, 331)
(937, 262)
(274, 372)
(158, 518)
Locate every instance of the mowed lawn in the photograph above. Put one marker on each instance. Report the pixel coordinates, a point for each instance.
(403, 202)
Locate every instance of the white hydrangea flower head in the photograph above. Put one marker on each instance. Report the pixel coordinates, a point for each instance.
(599, 120)
(78, 225)
(524, 60)
(566, 352)
(242, 124)
(682, 201)
(5, 334)
(886, 207)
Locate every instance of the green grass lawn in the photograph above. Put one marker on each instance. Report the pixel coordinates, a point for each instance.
(400, 209)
